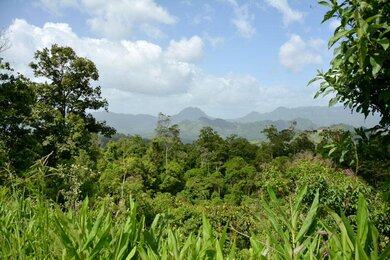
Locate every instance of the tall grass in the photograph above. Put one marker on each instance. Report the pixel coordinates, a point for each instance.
(35, 228)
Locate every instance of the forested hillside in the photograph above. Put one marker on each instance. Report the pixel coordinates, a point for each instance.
(70, 188)
(191, 120)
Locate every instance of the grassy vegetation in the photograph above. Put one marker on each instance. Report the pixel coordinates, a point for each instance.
(295, 213)
(33, 227)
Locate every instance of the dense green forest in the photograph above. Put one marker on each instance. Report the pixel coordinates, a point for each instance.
(71, 188)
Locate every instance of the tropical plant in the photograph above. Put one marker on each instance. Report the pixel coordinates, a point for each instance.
(349, 242)
(359, 72)
(292, 237)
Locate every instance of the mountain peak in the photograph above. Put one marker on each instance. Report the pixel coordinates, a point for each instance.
(189, 113)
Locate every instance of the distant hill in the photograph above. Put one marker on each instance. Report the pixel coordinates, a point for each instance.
(141, 124)
(321, 116)
(192, 119)
(189, 113)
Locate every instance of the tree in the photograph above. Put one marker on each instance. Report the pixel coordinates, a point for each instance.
(60, 115)
(167, 134)
(279, 141)
(211, 148)
(16, 100)
(241, 147)
(359, 74)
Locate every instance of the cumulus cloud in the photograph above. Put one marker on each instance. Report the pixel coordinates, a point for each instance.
(243, 19)
(185, 50)
(142, 77)
(289, 15)
(136, 66)
(296, 53)
(118, 19)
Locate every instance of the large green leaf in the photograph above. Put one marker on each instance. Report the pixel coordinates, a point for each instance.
(310, 218)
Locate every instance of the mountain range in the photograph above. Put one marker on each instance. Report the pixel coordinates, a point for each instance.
(192, 119)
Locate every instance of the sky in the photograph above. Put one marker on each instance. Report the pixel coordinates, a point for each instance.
(226, 57)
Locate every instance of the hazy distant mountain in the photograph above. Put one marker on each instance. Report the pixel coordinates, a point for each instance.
(251, 131)
(141, 124)
(189, 113)
(191, 120)
(321, 116)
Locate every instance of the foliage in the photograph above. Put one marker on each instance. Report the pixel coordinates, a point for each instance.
(211, 149)
(168, 135)
(77, 201)
(35, 228)
(60, 116)
(293, 236)
(19, 147)
(360, 70)
(361, 243)
(279, 141)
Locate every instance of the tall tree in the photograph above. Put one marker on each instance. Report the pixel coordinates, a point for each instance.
(359, 74)
(17, 145)
(167, 134)
(61, 115)
(211, 148)
(279, 141)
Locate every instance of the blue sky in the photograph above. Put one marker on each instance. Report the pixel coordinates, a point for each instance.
(227, 57)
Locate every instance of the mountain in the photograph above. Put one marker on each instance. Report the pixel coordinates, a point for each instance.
(321, 116)
(141, 124)
(192, 119)
(189, 113)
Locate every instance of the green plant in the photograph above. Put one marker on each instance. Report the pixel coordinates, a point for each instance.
(349, 242)
(292, 237)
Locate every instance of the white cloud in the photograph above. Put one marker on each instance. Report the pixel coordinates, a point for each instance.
(214, 41)
(142, 77)
(55, 6)
(120, 18)
(289, 15)
(185, 50)
(136, 66)
(295, 54)
(242, 19)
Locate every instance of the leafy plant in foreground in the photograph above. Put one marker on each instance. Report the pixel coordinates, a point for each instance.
(359, 243)
(291, 238)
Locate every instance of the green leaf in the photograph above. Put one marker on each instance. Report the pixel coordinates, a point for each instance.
(297, 205)
(347, 227)
(376, 65)
(362, 221)
(359, 252)
(207, 230)
(332, 151)
(325, 3)
(333, 101)
(338, 35)
(95, 228)
(132, 253)
(362, 53)
(385, 42)
(310, 218)
(342, 157)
